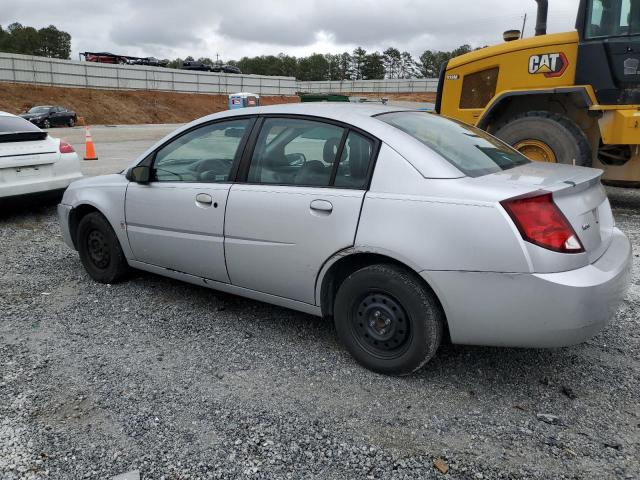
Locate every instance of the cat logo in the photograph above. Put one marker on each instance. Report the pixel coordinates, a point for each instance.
(550, 64)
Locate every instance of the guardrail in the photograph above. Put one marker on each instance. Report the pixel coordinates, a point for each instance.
(71, 73)
(421, 85)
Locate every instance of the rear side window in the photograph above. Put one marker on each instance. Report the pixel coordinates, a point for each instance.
(295, 152)
(471, 150)
(479, 88)
(16, 129)
(355, 162)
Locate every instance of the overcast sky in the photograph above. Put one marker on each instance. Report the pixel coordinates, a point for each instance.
(235, 28)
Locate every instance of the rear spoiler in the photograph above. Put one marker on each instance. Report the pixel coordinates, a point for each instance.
(22, 136)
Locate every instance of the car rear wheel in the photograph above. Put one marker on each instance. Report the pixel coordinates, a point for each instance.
(100, 250)
(388, 320)
(71, 122)
(46, 123)
(547, 137)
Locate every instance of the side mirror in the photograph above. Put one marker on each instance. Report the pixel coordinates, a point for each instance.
(139, 174)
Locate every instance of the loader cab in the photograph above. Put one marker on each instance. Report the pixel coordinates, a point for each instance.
(609, 50)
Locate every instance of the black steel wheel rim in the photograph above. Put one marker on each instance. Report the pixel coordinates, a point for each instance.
(381, 325)
(98, 249)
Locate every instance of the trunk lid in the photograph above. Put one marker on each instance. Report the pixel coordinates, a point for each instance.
(578, 193)
(24, 162)
(28, 153)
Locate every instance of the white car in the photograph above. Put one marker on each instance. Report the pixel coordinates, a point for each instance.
(31, 161)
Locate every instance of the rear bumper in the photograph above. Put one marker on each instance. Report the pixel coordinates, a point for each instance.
(39, 185)
(535, 310)
(63, 216)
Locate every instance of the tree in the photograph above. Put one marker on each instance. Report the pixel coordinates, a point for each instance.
(392, 62)
(431, 62)
(47, 42)
(357, 62)
(344, 67)
(23, 39)
(54, 43)
(373, 67)
(408, 67)
(314, 67)
(288, 65)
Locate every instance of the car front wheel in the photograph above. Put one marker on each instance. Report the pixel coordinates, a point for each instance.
(71, 122)
(46, 123)
(388, 319)
(100, 250)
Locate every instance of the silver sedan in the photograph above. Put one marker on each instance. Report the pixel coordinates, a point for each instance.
(404, 227)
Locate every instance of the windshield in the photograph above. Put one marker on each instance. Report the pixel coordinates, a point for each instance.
(471, 150)
(613, 18)
(39, 110)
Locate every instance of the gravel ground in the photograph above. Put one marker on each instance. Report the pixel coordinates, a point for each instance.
(180, 382)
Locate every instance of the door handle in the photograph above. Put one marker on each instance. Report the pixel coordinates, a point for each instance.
(204, 198)
(321, 206)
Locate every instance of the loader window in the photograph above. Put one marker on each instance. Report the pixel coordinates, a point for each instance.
(479, 88)
(613, 18)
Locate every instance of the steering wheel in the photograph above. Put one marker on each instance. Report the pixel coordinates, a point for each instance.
(169, 171)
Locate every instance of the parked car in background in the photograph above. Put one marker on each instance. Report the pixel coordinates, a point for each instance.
(149, 62)
(204, 67)
(197, 66)
(231, 69)
(47, 116)
(403, 226)
(31, 161)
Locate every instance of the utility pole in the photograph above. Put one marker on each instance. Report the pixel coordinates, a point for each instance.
(524, 25)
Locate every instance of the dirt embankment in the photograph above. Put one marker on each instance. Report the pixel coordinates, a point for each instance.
(119, 106)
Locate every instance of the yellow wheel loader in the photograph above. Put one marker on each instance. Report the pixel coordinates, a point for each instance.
(568, 98)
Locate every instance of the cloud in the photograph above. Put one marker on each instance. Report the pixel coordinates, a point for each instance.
(171, 28)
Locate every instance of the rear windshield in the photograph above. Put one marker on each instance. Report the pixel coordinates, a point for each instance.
(469, 149)
(16, 129)
(16, 124)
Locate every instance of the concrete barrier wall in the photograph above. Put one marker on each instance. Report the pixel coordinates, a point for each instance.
(70, 73)
(421, 85)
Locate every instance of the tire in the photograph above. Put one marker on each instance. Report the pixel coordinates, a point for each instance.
(71, 122)
(562, 136)
(403, 322)
(100, 250)
(46, 123)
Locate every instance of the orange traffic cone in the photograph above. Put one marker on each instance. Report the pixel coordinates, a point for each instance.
(89, 149)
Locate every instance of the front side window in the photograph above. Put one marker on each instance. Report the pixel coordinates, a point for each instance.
(471, 150)
(613, 18)
(204, 155)
(295, 152)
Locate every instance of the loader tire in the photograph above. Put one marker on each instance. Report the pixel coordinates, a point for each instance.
(547, 137)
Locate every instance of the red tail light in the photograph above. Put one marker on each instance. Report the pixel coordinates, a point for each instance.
(66, 147)
(541, 222)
